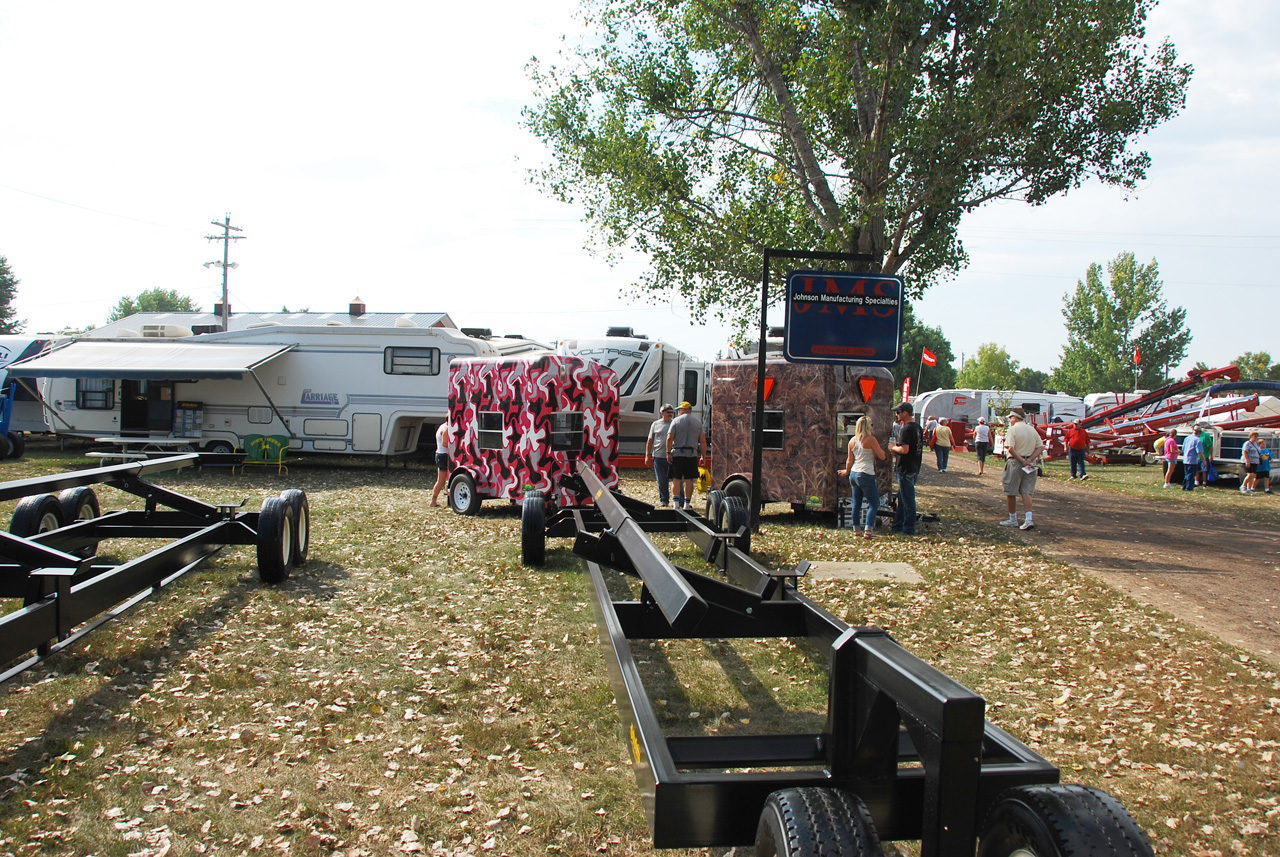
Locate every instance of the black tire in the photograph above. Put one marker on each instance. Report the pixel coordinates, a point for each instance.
(6, 447)
(533, 530)
(18, 442)
(733, 515)
(297, 498)
(80, 504)
(41, 513)
(739, 487)
(816, 822)
(715, 499)
(221, 447)
(463, 498)
(275, 540)
(1060, 821)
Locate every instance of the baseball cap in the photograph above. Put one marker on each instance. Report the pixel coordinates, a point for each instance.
(905, 407)
(686, 406)
(1017, 412)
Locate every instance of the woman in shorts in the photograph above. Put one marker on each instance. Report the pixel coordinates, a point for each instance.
(1170, 450)
(982, 442)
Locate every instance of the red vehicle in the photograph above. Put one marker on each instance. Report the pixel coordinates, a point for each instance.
(519, 425)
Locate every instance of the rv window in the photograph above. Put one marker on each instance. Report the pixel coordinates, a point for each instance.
(566, 431)
(411, 361)
(691, 386)
(774, 428)
(97, 394)
(490, 430)
(1030, 407)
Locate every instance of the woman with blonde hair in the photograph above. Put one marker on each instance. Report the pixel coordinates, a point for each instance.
(860, 467)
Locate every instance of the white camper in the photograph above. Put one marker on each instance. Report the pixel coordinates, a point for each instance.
(337, 387)
(963, 407)
(28, 414)
(650, 372)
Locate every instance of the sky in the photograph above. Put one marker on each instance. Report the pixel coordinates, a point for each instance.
(377, 151)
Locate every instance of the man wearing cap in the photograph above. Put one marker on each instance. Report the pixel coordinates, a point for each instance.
(1022, 447)
(908, 446)
(1192, 457)
(658, 441)
(686, 447)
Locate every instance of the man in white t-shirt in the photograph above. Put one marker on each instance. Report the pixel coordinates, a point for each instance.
(1022, 449)
(982, 443)
(658, 441)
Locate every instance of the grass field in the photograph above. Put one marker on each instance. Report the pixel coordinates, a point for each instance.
(415, 689)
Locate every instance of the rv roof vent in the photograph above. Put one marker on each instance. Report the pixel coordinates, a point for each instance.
(629, 332)
(513, 336)
(332, 323)
(166, 331)
(357, 306)
(259, 324)
(126, 332)
(201, 329)
(478, 332)
(405, 321)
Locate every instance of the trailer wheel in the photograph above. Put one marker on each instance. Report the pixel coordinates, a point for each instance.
(221, 447)
(6, 447)
(463, 498)
(815, 822)
(297, 498)
(18, 442)
(80, 504)
(733, 515)
(533, 530)
(275, 540)
(739, 487)
(34, 515)
(1060, 821)
(715, 499)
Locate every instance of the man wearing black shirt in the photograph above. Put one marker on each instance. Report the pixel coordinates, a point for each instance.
(908, 446)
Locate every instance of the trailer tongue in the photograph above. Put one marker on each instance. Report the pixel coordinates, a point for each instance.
(905, 754)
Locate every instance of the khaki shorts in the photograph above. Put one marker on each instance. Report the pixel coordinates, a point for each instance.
(1017, 481)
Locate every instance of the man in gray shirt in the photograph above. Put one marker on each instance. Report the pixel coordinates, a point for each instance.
(686, 447)
(657, 442)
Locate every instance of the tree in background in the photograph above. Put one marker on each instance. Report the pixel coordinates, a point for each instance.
(915, 338)
(1257, 366)
(1108, 323)
(8, 291)
(700, 132)
(991, 369)
(1033, 380)
(153, 300)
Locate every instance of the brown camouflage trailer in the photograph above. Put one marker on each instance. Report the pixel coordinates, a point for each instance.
(809, 415)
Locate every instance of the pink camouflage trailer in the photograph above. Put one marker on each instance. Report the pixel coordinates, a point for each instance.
(519, 424)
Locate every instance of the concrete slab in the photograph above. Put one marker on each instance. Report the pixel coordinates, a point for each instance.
(899, 572)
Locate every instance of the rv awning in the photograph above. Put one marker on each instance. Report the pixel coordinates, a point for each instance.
(147, 361)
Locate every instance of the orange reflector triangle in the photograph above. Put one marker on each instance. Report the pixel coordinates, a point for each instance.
(868, 387)
(768, 387)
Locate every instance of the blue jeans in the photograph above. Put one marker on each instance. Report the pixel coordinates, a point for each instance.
(864, 489)
(662, 472)
(904, 517)
(1189, 472)
(943, 453)
(1077, 457)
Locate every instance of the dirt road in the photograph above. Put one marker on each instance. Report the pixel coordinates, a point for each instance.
(1213, 571)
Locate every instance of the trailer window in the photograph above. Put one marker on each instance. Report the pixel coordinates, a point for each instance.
(845, 424)
(566, 431)
(691, 386)
(95, 394)
(411, 361)
(489, 433)
(775, 424)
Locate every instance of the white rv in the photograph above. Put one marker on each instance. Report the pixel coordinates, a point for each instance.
(28, 414)
(346, 386)
(963, 407)
(650, 372)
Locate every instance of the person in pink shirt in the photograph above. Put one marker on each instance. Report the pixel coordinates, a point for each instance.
(1170, 456)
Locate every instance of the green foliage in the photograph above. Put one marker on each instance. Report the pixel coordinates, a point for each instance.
(700, 132)
(152, 300)
(8, 291)
(1106, 322)
(991, 369)
(1257, 366)
(1033, 380)
(915, 338)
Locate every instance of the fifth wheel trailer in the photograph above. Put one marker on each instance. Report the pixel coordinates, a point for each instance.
(329, 388)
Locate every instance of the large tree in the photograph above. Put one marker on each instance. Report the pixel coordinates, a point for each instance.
(702, 131)
(1110, 323)
(153, 300)
(990, 369)
(1257, 366)
(8, 291)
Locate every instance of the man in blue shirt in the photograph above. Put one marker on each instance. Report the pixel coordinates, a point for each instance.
(1192, 454)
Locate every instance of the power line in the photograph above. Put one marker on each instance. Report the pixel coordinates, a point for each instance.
(94, 210)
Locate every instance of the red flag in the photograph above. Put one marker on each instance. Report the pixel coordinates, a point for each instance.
(930, 359)
(1137, 357)
(906, 389)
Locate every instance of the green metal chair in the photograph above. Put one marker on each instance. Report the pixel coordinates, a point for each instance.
(265, 450)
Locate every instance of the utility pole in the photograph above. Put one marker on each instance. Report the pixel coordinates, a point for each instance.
(226, 238)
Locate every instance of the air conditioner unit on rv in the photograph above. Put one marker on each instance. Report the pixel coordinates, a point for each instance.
(165, 331)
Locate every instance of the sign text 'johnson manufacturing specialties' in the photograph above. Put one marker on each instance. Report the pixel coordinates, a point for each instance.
(844, 318)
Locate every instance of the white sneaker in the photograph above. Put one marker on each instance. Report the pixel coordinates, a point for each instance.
(1027, 525)
(1084, 477)
(1009, 522)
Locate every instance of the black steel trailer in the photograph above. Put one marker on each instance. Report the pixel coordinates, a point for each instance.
(906, 752)
(48, 558)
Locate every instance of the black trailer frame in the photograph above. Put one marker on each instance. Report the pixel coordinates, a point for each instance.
(909, 742)
(67, 591)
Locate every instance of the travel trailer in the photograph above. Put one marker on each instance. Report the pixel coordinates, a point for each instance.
(355, 385)
(27, 414)
(520, 424)
(650, 372)
(810, 411)
(963, 407)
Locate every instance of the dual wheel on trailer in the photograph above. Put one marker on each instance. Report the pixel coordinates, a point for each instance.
(1028, 821)
(284, 525)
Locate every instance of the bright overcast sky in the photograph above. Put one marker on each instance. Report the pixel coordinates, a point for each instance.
(375, 150)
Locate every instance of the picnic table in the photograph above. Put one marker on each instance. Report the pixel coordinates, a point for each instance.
(139, 448)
